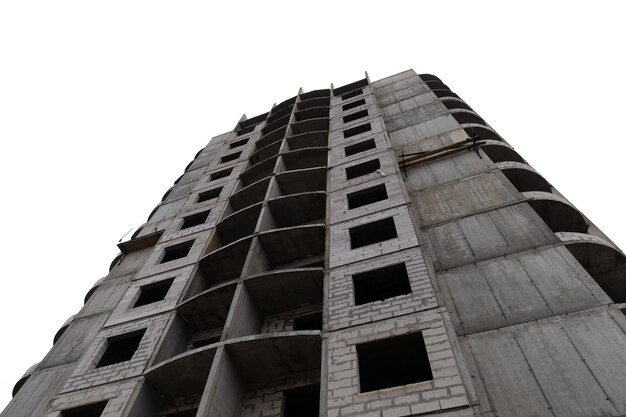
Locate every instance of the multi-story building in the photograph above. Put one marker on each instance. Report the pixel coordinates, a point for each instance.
(372, 250)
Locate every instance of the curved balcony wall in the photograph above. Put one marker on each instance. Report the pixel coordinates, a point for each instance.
(523, 177)
(312, 113)
(249, 195)
(20, 383)
(239, 224)
(259, 171)
(465, 117)
(286, 103)
(62, 329)
(301, 181)
(271, 137)
(314, 102)
(483, 132)
(557, 212)
(453, 104)
(315, 94)
(266, 152)
(295, 209)
(436, 85)
(278, 123)
(297, 244)
(310, 125)
(429, 77)
(97, 284)
(445, 93)
(304, 158)
(499, 152)
(307, 140)
(225, 263)
(603, 261)
(285, 111)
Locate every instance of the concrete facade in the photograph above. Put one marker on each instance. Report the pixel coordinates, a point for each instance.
(375, 250)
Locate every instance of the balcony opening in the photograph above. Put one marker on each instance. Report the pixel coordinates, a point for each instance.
(371, 233)
(245, 130)
(308, 322)
(393, 362)
(195, 219)
(302, 402)
(354, 104)
(366, 145)
(177, 251)
(239, 143)
(154, 292)
(525, 180)
(501, 154)
(120, 348)
(355, 116)
(230, 157)
(352, 93)
(357, 130)
(363, 168)
(367, 196)
(380, 284)
(205, 341)
(220, 174)
(209, 195)
(89, 410)
(187, 413)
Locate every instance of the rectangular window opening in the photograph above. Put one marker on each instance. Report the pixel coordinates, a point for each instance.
(89, 410)
(239, 143)
(195, 219)
(363, 168)
(354, 104)
(230, 157)
(354, 116)
(366, 145)
(367, 196)
(357, 130)
(380, 284)
(177, 251)
(209, 195)
(302, 401)
(352, 93)
(373, 232)
(245, 130)
(393, 362)
(308, 322)
(121, 348)
(154, 292)
(220, 174)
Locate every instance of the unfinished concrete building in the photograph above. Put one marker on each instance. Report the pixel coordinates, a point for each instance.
(372, 250)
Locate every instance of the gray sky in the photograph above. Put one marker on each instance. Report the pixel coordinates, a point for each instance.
(103, 104)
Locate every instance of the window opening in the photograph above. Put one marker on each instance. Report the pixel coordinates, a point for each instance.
(220, 174)
(354, 104)
(380, 284)
(230, 157)
(154, 292)
(120, 348)
(393, 362)
(195, 219)
(367, 196)
(354, 116)
(302, 401)
(239, 143)
(366, 145)
(209, 195)
(177, 251)
(371, 233)
(352, 93)
(308, 322)
(89, 410)
(357, 130)
(363, 168)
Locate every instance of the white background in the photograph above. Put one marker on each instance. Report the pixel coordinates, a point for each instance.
(103, 104)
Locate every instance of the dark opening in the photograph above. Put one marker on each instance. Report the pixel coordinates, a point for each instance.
(354, 104)
(245, 130)
(366, 145)
(371, 233)
(380, 284)
(239, 143)
(154, 292)
(357, 130)
(121, 348)
(352, 93)
(308, 322)
(209, 195)
(367, 196)
(302, 402)
(355, 116)
(89, 410)
(177, 251)
(195, 219)
(363, 168)
(230, 157)
(316, 264)
(186, 413)
(206, 341)
(393, 362)
(220, 174)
